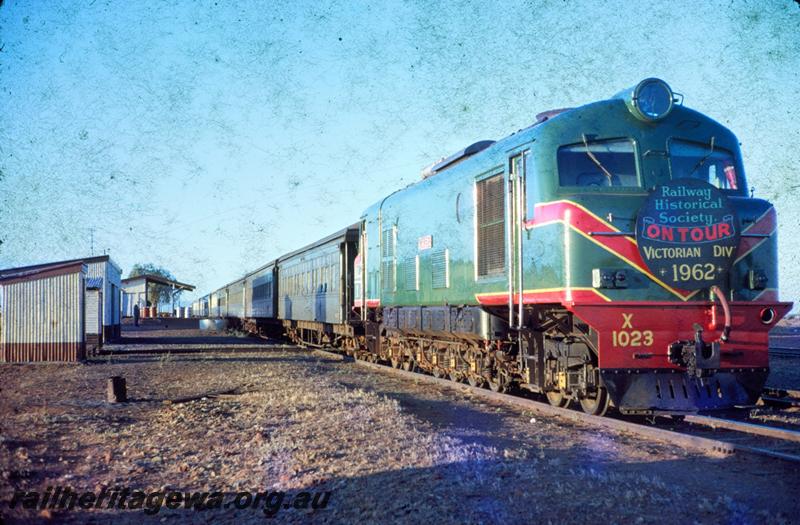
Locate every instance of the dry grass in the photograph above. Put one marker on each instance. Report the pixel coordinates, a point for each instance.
(389, 450)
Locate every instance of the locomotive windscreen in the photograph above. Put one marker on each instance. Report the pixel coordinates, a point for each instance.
(599, 163)
(703, 161)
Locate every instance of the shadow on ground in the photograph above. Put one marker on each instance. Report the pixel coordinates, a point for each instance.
(538, 490)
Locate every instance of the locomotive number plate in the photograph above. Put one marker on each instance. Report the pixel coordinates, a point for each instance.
(628, 337)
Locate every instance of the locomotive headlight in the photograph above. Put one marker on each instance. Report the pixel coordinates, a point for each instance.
(651, 99)
(609, 278)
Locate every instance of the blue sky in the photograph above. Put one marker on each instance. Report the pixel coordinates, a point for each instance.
(209, 137)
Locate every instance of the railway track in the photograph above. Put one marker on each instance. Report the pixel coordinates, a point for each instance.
(712, 435)
(784, 351)
(753, 438)
(780, 397)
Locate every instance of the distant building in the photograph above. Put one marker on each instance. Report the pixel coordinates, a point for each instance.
(53, 311)
(134, 290)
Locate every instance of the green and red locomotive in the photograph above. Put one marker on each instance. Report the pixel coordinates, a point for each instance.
(608, 254)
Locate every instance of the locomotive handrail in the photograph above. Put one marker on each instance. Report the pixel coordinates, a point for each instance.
(613, 234)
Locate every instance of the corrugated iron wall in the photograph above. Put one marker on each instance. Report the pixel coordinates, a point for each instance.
(43, 319)
(111, 285)
(133, 295)
(93, 310)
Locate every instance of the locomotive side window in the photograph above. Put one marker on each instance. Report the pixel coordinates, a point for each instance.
(491, 226)
(703, 161)
(598, 164)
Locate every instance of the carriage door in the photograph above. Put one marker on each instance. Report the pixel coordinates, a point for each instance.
(515, 209)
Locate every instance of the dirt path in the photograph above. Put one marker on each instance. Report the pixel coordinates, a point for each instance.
(386, 449)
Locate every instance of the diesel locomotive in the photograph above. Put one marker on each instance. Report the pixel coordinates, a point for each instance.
(607, 255)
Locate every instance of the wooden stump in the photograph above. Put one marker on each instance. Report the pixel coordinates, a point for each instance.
(116, 391)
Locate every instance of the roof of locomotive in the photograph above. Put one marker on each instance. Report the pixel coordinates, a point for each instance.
(566, 126)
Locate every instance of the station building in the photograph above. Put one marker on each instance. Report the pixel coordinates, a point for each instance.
(134, 291)
(55, 311)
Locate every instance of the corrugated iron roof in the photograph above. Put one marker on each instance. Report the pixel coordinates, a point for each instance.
(94, 283)
(159, 280)
(40, 271)
(35, 267)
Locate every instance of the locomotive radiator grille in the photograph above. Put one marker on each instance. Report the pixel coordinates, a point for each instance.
(491, 226)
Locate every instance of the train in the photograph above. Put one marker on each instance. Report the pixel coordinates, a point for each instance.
(609, 255)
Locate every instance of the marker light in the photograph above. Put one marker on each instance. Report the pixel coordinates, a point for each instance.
(652, 99)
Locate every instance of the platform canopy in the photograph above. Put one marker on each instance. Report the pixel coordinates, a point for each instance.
(149, 278)
(135, 290)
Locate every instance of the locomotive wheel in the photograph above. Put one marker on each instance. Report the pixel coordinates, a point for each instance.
(597, 405)
(498, 384)
(558, 399)
(475, 381)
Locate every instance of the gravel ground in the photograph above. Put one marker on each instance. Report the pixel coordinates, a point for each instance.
(785, 370)
(387, 450)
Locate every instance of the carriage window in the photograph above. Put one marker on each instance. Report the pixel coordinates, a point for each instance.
(703, 161)
(598, 164)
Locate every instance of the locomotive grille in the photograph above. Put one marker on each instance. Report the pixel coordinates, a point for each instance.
(439, 270)
(388, 262)
(410, 273)
(491, 226)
